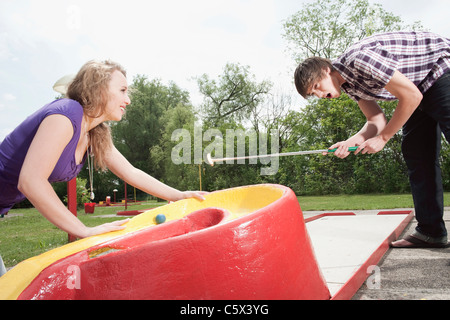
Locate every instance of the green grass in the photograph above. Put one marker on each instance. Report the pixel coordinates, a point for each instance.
(26, 233)
(360, 202)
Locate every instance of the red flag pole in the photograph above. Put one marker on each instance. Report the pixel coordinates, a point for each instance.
(126, 200)
(72, 201)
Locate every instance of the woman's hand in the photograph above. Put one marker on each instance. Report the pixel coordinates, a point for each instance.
(104, 228)
(199, 195)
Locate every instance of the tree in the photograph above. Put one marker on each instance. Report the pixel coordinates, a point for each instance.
(326, 28)
(233, 97)
(140, 134)
(182, 176)
(141, 128)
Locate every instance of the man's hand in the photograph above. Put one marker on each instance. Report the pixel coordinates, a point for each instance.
(342, 149)
(373, 145)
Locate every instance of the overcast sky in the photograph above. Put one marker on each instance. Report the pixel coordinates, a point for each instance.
(173, 40)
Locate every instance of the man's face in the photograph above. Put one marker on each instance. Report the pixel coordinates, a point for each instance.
(327, 87)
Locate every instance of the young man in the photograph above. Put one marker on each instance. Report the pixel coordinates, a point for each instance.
(414, 68)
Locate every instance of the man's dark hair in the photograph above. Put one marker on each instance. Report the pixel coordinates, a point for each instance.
(309, 71)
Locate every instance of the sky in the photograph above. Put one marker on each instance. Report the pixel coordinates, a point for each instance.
(171, 40)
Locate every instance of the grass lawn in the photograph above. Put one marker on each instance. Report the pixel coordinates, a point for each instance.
(358, 202)
(26, 233)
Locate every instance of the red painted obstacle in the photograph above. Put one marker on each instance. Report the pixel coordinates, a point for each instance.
(266, 254)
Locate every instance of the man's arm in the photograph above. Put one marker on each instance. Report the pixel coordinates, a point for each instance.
(409, 98)
(376, 122)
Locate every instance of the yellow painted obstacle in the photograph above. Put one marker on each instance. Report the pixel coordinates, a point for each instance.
(238, 202)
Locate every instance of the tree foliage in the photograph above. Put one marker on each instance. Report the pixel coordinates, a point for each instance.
(326, 28)
(142, 127)
(319, 125)
(231, 98)
(235, 100)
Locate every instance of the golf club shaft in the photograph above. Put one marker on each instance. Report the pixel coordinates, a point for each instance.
(297, 153)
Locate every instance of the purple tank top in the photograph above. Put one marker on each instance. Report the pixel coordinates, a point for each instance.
(14, 148)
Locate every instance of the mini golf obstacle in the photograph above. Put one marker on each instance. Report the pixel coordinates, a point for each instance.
(242, 243)
(131, 212)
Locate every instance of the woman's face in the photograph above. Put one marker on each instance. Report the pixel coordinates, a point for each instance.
(118, 97)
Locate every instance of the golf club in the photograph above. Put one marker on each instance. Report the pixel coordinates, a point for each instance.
(211, 161)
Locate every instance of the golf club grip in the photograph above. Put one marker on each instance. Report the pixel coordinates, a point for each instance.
(351, 149)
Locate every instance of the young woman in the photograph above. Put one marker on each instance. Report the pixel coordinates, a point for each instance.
(53, 144)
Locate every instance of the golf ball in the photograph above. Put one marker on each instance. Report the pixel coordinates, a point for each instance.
(160, 218)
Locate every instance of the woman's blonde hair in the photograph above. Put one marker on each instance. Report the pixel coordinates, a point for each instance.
(90, 89)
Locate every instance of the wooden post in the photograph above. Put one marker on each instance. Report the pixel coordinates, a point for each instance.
(72, 200)
(126, 200)
(200, 175)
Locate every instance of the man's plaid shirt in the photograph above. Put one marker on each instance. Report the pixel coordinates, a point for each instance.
(368, 65)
